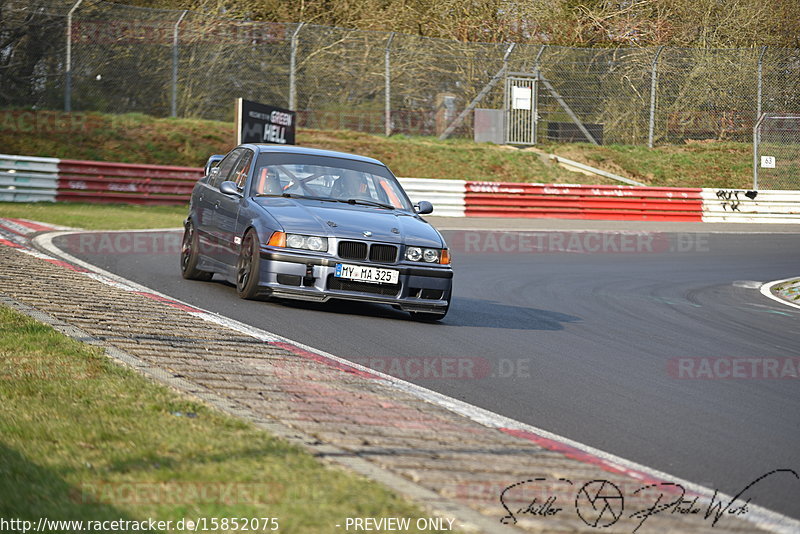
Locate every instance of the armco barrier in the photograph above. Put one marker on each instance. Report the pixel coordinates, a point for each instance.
(28, 179)
(743, 206)
(490, 199)
(102, 182)
(447, 196)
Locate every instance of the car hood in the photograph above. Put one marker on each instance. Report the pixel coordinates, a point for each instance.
(350, 221)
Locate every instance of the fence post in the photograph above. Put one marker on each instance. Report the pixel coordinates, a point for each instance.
(760, 80)
(653, 87)
(293, 68)
(756, 142)
(387, 118)
(537, 74)
(536, 62)
(173, 108)
(68, 81)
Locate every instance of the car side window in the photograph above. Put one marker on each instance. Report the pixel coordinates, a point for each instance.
(225, 167)
(240, 171)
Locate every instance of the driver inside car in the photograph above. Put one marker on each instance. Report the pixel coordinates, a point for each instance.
(268, 182)
(349, 185)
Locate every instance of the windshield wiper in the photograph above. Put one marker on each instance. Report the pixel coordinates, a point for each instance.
(350, 201)
(368, 203)
(293, 195)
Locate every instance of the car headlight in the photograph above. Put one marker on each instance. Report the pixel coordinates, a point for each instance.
(318, 244)
(413, 253)
(299, 241)
(428, 255)
(295, 241)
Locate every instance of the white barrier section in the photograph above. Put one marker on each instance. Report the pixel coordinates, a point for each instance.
(28, 179)
(447, 196)
(743, 206)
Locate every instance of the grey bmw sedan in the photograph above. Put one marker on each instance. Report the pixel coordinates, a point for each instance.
(299, 223)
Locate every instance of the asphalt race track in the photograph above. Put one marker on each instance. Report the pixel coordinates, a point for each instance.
(594, 345)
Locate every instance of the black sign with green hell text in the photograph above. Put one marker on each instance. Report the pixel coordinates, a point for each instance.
(259, 123)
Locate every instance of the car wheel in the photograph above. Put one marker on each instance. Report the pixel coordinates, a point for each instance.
(247, 267)
(427, 317)
(190, 250)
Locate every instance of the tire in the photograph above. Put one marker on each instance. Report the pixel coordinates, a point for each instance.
(426, 317)
(190, 251)
(247, 267)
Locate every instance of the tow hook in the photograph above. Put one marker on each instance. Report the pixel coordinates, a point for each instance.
(308, 279)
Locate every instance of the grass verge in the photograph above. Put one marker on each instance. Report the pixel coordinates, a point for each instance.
(694, 164)
(85, 439)
(97, 216)
(139, 138)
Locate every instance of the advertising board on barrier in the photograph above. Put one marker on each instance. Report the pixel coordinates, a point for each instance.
(259, 123)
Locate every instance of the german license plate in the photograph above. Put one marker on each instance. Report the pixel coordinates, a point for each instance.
(361, 273)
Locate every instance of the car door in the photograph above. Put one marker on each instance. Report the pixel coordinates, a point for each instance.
(227, 211)
(208, 230)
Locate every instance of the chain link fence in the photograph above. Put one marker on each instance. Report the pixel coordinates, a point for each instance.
(187, 64)
(776, 154)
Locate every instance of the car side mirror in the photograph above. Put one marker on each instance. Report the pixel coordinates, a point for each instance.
(230, 188)
(423, 207)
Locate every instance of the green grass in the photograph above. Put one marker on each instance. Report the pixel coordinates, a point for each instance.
(696, 164)
(97, 216)
(82, 438)
(426, 157)
(140, 138)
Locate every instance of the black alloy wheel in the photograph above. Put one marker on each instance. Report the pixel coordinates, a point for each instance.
(190, 250)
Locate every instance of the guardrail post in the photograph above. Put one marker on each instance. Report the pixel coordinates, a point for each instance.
(68, 67)
(173, 108)
(293, 69)
(388, 83)
(653, 88)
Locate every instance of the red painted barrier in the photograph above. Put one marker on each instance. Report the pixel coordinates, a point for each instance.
(125, 183)
(490, 199)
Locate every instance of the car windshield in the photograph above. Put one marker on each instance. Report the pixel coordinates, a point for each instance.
(329, 179)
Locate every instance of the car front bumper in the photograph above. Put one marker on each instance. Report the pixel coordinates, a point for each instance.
(423, 288)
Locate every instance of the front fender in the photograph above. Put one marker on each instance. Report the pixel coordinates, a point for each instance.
(251, 215)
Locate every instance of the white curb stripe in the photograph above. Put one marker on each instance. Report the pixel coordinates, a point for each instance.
(766, 290)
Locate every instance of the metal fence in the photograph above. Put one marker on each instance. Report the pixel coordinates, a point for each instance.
(776, 152)
(98, 56)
